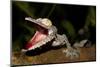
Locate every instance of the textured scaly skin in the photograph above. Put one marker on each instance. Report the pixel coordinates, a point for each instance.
(57, 40)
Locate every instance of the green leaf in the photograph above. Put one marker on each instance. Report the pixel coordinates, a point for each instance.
(69, 28)
(24, 6)
(91, 17)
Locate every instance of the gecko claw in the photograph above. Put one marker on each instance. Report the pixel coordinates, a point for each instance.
(72, 53)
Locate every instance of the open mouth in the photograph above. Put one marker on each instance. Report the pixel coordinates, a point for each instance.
(40, 34)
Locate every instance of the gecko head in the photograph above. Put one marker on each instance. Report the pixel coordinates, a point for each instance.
(45, 23)
(42, 31)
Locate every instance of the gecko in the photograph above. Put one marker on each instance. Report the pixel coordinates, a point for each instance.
(46, 32)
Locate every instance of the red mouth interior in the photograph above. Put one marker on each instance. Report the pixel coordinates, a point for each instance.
(40, 34)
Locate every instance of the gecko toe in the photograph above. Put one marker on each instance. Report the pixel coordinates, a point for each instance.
(72, 53)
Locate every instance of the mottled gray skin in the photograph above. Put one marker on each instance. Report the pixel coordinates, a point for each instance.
(59, 40)
(63, 40)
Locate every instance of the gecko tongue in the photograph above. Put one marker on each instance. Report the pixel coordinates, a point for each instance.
(35, 39)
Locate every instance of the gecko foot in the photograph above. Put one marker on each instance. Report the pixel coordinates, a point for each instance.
(72, 53)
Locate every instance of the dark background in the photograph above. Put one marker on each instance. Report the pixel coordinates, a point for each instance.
(76, 21)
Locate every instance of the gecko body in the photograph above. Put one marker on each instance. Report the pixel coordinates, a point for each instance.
(46, 32)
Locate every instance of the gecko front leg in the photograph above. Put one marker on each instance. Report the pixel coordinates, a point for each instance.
(70, 51)
(62, 40)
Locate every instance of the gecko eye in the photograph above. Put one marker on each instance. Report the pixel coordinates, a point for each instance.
(46, 22)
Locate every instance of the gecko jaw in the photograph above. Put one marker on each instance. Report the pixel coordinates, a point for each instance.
(40, 35)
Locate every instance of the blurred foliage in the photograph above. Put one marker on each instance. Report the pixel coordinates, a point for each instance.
(91, 17)
(69, 28)
(24, 6)
(68, 19)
